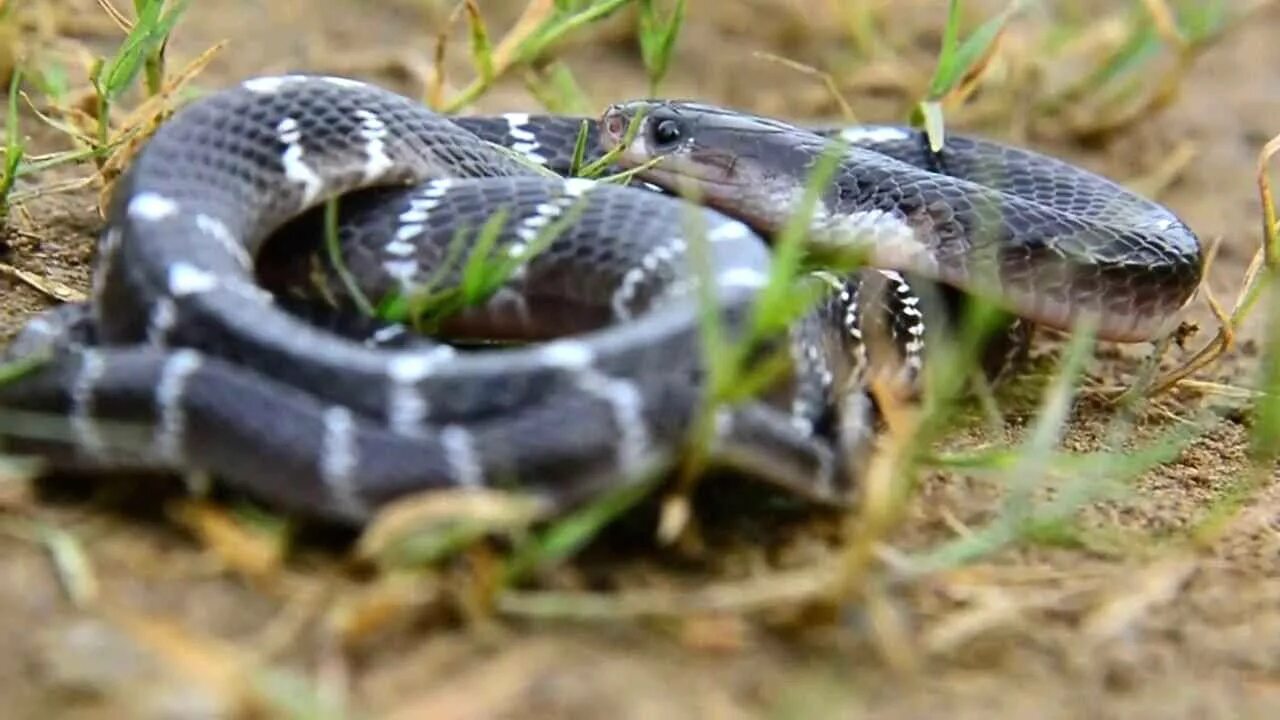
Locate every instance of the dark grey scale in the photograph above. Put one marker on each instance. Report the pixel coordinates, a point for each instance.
(1014, 248)
(529, 449)
(548, 141)
(1069, 213)
(566, 287)
(53, 389)
(226, 413)
(351, 324)
(1037, 177)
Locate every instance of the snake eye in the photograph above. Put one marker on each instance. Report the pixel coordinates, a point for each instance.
(666, 132)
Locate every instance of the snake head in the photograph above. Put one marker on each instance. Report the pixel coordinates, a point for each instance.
(662, 136)
(750, 167)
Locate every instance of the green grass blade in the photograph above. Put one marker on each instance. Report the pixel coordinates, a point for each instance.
(1265, 441)
(579, 149)
(657, 40)
(946, 71)
(14, 147)
(572, 18)
(558, 91)
(332, 247)
(479, 271)
(975, 47)
(18, 368)
(1047, 428)
(956, 60)
(775, 309)
(150, 31)
(481, 46)
(574, 531)
(603, 162)
(72, 563)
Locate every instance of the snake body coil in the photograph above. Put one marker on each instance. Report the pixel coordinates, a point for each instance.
(181, 361)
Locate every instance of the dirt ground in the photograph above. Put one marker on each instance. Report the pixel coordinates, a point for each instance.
(1112, 624)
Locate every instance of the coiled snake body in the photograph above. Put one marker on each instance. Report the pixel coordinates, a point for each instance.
(182, 361)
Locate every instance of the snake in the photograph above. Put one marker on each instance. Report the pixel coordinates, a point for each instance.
(191, 356)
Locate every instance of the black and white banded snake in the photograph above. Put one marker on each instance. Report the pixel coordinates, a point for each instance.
(181, 361)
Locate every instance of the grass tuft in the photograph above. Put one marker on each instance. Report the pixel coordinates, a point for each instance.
(1126, 83)
(543, 24)
(142, 49)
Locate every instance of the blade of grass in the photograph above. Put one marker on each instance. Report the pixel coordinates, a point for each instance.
(144, 43)
(155, 23)
(657, 39)
(14, 147)
(603, 162)
(400, 307)
(579, 149)
(1265, 440)
(1047, 429)
(422, 529)
(959, 64)
(482, 274)
(570, 534)
(426, 307)
(15, 369)
(153, 60)
(72, 562)
(334, 250)
(481, 48)
(828, 81)
(561, 24)
(66, 553)
(556, 90)
(542, 24)
(1090, 480)
(116, 16)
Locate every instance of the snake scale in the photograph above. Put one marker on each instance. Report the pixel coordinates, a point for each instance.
(182, 361)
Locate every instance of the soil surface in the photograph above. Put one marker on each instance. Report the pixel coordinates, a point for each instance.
(171, 609)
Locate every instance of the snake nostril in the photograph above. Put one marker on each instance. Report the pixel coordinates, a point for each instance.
(614, 125)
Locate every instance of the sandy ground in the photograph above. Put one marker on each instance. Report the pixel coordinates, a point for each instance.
(1111, 624)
